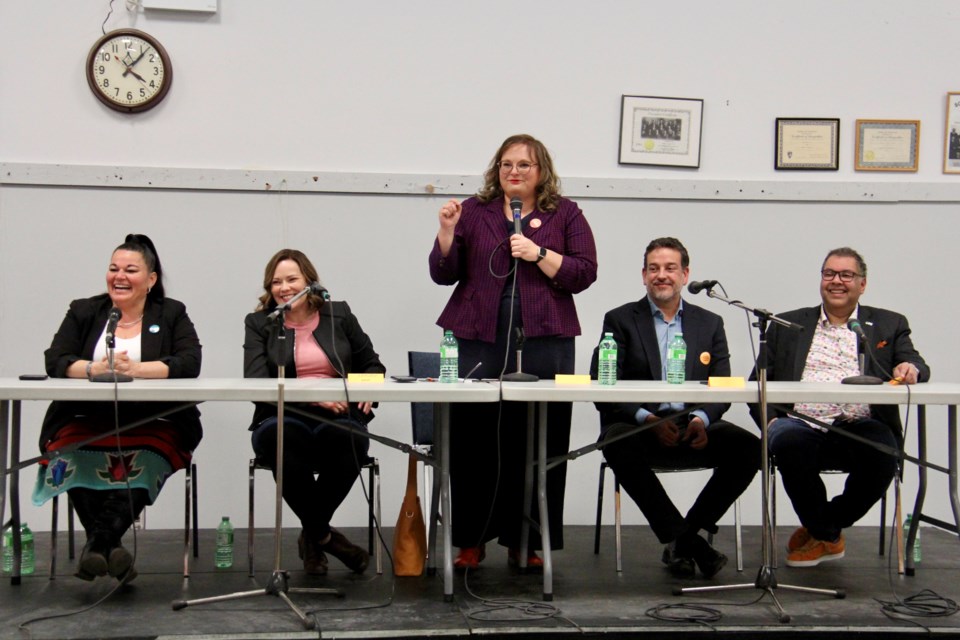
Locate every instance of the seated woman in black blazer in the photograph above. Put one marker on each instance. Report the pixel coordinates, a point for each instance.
(323, 340)
(154, 339)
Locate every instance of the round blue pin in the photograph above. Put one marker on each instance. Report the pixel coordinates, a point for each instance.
(154, 328)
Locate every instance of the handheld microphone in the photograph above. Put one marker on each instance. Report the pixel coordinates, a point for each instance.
(700, 285)
(112, 319)
(515, 205)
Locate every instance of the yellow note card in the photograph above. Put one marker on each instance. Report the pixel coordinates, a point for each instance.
(572, 378)
(734, 382)
(364, 377)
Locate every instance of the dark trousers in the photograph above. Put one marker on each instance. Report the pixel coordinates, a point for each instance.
(802, 452)
(320, 465)
(488, 448)
(107, 513)
(733, 453)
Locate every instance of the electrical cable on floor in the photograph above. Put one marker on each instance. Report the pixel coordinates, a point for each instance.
(702, 613)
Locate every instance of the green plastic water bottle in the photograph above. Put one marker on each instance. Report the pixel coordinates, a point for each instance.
(8, 551)
(607, 361)
(224, 552)
(916, 542)
(677, 360)
(26, 550)
(449, 358)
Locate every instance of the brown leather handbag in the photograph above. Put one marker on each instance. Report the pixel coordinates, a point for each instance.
(410, 535)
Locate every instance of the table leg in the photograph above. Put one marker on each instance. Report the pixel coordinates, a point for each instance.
(446, 517)
(952, 458)
(542, 498)
(527, 489)
(15, 493)
(4, 434)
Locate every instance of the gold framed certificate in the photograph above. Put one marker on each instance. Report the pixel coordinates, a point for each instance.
(887, 145)
(807, 144)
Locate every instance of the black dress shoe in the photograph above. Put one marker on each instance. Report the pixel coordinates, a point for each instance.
(679, 566)
(314, 560)
(346, 552)
(708, 559)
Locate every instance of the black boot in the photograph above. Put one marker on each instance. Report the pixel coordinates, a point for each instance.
(346, 552)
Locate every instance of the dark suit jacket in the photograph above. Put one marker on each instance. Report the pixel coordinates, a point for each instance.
(888, 334)
(480, 243)
(174, 342)
(346, 343)
(638, 354)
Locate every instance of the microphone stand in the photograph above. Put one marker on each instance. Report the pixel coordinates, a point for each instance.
(519, 375)
(766, 577)
(863, 378)
(111, 375)
(277, 585)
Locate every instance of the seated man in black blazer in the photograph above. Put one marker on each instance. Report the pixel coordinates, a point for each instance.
(827, 351)
(699, 438)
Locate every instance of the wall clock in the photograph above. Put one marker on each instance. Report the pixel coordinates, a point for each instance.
(128, 70)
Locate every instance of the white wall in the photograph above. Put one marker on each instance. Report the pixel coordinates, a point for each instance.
(430, 89)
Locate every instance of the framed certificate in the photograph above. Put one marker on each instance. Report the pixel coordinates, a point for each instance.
(809, 144)
(660, 131)
(887, 145)
(951, 134)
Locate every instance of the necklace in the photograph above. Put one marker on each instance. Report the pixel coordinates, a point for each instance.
(131, 323)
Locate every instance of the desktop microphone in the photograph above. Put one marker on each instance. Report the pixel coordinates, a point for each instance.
(515, 205)
(854, 325)
(700, 285)
(112, 320)
(317, 289)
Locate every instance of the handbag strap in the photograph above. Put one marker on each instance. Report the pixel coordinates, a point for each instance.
(412, 476)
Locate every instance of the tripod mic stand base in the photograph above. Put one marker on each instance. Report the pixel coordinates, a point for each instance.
(519, 376)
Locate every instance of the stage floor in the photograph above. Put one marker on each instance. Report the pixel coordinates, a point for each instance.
(590, 597)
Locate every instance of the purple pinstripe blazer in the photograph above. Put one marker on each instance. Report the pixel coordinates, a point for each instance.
(547, 304)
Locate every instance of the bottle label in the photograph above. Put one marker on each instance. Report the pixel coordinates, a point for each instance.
(449, 352)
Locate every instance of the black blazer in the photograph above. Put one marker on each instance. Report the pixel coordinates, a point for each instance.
(638, 354)
(168, 336)
(346, 343)
(888, 334)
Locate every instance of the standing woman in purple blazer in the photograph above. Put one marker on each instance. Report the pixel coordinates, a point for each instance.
(510, 284)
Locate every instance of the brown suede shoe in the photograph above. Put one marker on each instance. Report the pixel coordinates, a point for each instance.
(346, 552)
(314, 560)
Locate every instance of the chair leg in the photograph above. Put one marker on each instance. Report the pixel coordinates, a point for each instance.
(773, 518)
(435, 519)
(55, 506)
(375, 516)
(253, 467)
(738, 534)
(71, 531)
(187, 496)
(596, 531)
(196, 514)
(617, 523)
(883, 523)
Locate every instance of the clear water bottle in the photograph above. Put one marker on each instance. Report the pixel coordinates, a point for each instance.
(27, 564)
(607, 361)
(449, 358)
(224, 552)
(916, 543)
(677, 360)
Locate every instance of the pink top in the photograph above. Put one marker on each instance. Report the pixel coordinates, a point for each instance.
(311, 360)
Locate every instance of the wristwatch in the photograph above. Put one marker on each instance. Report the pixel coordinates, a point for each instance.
(541, 254)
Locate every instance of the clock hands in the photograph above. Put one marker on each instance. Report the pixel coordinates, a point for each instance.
(129, 68)
(134, 63)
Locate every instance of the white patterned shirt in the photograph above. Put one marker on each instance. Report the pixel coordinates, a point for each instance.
(833, 356)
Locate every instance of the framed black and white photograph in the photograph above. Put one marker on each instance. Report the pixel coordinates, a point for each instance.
(887, 145)
(951, 134)
(661, 132)
(807, 144)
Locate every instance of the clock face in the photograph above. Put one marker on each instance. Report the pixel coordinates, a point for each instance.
(128, 70)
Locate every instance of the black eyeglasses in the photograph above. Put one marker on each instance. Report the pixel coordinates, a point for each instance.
(845, 276)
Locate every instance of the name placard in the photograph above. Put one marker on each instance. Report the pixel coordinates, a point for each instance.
(364, 377)
(734, 382)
